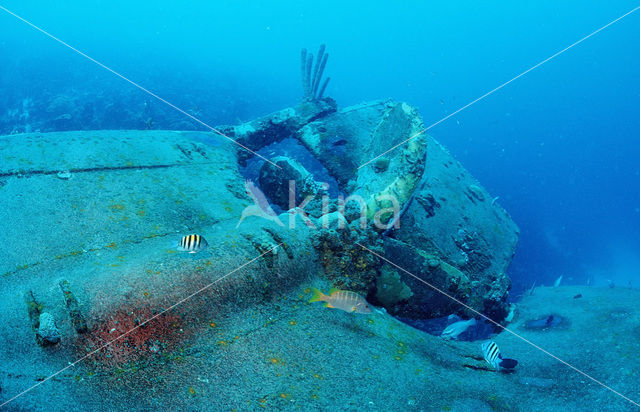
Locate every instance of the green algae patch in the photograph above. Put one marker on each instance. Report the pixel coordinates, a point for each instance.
(390, 289)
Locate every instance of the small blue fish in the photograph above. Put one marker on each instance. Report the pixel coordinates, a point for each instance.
(493, 357)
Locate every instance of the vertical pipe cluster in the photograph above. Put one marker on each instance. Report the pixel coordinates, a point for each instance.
(312, 76)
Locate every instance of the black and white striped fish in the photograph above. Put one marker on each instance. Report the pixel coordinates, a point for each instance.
(493, 357)
(192, 243)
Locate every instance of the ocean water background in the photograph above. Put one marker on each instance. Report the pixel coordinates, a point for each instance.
(559, 146)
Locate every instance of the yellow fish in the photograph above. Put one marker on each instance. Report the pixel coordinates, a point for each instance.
(343, 300)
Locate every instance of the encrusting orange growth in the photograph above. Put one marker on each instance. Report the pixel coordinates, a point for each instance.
(127, 335)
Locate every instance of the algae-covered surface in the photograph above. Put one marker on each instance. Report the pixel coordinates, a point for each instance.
(291, 355)
(143, 326)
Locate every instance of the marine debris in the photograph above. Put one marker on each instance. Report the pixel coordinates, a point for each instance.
(64, 175)
(153, 333)
(546, 322)
(312, 75)
(455, 242)
(43, 323)
(447, 238)
(288, 182)
(343, 140)
(77, 320)
(48, 333)
(33, 309)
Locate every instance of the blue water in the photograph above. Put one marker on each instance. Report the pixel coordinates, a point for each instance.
(558, 145)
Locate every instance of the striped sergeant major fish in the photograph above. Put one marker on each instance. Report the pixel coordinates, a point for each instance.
(192, 243)
(493, 357)
(342, 299)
